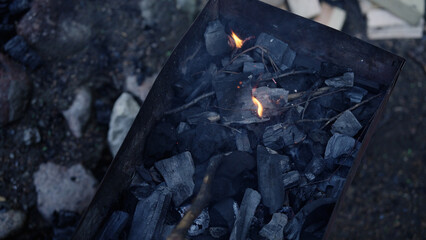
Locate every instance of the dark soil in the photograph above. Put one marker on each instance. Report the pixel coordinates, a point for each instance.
(387, 197)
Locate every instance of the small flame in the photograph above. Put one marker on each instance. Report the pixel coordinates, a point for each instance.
(235, 40)
(259, 106)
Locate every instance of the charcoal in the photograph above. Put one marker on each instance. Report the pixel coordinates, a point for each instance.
(235, 163)
(301, 154)
(237, 64)
(338, 145)
(356, 94)
(182, 127)
(345, 161)
(178, 171)
(222, 213)
(19, 6)
(319, 136)
(254, 68)
(346, 80)
(329, 70)
(288, 211)
(218, 232)
(114, 226)
(333, 187)
(274, 47)
(270, 168)
(142, 190)
(202, 84)
(314, 168)
(162, 140)
(274, 230)
(288, 59)
(281, 135)
(210, 138)
(242, 141)
(248, 206)
(346, 124)
(318, 209)
(149, 215)
(291, 179)
(272, 99)
(223, 187)
(216, 39)
(19, 50)
(203, 117)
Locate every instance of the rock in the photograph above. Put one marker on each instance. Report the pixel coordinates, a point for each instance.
(78, 114)
(347, 80)
(141, 91)
(14, 90)
(178, 171)
(346, 124)
(338, 145)
(31, 136)
(274, 229)
(19, 50)
(10, 222)
(61, 188)
(123, 113)
(150, 214)
(248, 206)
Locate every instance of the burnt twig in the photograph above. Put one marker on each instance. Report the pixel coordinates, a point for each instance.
(294, 72)
(200, 202)
(191, 103)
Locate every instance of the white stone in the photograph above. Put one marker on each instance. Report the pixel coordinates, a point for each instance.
(63, 188)
(10, 222)
(77, 115)
(123, 114)
(140, 91)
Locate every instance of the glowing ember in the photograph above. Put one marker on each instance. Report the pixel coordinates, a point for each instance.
(235, 41)
(259, 106)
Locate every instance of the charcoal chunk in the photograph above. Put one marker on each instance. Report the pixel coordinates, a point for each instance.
(346, 124)
(281, 135)
(314, 168)
(288, 59)
(115, 225)
(149, 215)
(252, 67)
(276, 49)
(178, 171)
(222, 213)
(235, 163)
(274, 230)
(248, 206)
(356, 94)
(271, 99)
(270, 168)
(338, 145)
(237, 64)
(346, 80)
(242, 141)
(216, 39)
(182, 127)
(333, 187)
(19, 50)
(291, 179)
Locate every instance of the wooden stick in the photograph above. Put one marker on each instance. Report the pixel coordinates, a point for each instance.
(200, 202)
(193, 102)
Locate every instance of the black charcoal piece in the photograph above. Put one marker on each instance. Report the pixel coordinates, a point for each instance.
(338, 145)
(274, 230)
(346, 124)
(203, 117)
(356, 94)
(274, 47)
(115, 225)
(281, 135)
(19, 6)
(162, 140)
(242, 141)
(288, 59)
(216, 39)
(333, 187)
(272, 99)
(178, 171)
(144, 173)
(182, 127)
(19, 50)
(345, 161)
(149, 215)
(142, 190)
(270, 168)
(252, 67)
(314, 168)
(222, 214)
(346, 80)
(210, 138)
(319, 136)
(218, 232)
(235, 163)
(301, 154)
(237, 64)
(200, 85)
(314, 211)
(291, 179)
(248, 206)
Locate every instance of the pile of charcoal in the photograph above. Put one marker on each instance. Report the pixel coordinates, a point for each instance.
(255, 146)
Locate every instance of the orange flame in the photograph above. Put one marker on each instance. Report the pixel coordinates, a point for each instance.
(259, 106)
(235, 40)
